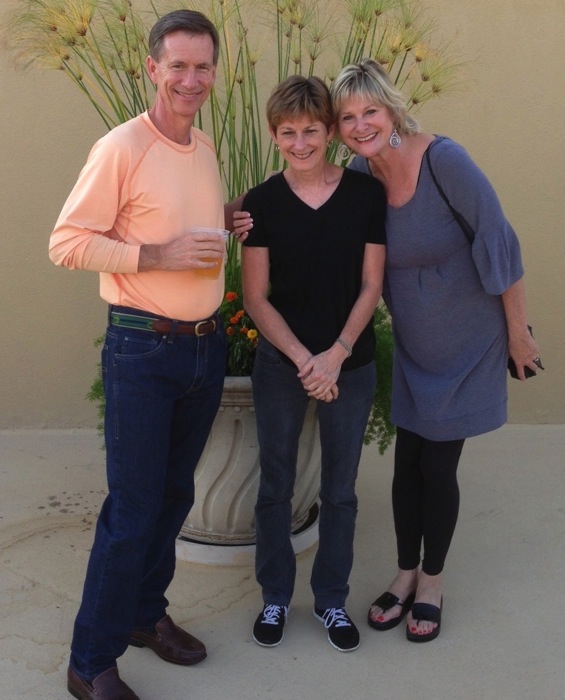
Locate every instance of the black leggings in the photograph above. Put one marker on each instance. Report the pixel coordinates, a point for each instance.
(425, 499)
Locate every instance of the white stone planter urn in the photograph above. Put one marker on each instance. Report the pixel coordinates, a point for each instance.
(227, 475)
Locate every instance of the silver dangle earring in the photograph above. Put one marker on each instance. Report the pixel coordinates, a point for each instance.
(343, 152)
(395, 140)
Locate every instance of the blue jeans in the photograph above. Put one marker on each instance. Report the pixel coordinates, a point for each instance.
(280, 403)
(162, 394)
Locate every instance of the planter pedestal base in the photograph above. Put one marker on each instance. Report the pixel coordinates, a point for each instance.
(239, 555)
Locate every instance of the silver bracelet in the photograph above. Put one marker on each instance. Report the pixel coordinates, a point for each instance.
(343, 344)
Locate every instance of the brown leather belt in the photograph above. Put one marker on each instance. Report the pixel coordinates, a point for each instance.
(164, 326)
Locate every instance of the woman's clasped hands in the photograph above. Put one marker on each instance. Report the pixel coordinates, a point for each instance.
(319, 376)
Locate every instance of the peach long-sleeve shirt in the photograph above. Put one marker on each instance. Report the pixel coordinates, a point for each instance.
(140, 187)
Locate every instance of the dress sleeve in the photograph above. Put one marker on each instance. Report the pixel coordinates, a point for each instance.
(83, 237)
(495, 248)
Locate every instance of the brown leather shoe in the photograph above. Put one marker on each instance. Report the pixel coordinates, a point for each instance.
(170, 643)
(106, 686)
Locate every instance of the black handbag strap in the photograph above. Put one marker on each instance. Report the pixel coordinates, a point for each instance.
(464, 225)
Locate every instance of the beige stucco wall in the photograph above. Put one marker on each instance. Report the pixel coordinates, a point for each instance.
(507, 114)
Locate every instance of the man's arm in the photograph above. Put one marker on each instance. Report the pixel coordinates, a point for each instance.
(182, 253)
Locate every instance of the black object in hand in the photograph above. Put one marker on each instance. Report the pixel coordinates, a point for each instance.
(527, 371)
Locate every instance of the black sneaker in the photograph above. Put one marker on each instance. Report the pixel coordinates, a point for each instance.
(342, 633)
(268, 630)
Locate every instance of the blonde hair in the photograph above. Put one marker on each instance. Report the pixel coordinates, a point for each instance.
(369, 79)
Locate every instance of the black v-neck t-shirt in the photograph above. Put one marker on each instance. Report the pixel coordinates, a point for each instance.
(316, 255)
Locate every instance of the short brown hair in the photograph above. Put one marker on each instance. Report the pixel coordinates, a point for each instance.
(297, 96)
(189, 21)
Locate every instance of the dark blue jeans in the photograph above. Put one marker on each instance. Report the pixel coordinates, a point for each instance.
(162, 394)
(280, 404)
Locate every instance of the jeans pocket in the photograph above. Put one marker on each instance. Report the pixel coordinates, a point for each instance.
(268, 353)
(140, 346)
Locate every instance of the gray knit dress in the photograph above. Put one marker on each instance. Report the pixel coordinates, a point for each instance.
(443, 293)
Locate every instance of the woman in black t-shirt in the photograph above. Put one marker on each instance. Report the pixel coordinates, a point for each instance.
(312, 275)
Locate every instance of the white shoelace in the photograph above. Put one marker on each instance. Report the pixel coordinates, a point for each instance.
(337, 617)
(272, 613)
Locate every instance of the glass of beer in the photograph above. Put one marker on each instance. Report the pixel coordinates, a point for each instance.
(211, 272)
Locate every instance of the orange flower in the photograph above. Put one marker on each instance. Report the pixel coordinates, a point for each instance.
(241, 335)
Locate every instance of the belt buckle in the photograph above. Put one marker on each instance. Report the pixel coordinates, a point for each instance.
(197, 331)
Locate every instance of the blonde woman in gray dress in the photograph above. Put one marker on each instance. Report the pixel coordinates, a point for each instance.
(458, 310)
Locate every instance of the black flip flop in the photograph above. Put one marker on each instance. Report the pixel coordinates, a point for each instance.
(386, 601)
(429, 613)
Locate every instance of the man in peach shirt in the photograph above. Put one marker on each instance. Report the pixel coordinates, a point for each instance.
(130, 216)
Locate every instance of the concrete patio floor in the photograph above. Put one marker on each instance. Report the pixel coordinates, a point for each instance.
(504, 614)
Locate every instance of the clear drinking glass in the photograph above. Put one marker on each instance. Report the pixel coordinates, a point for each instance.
(211, 272)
